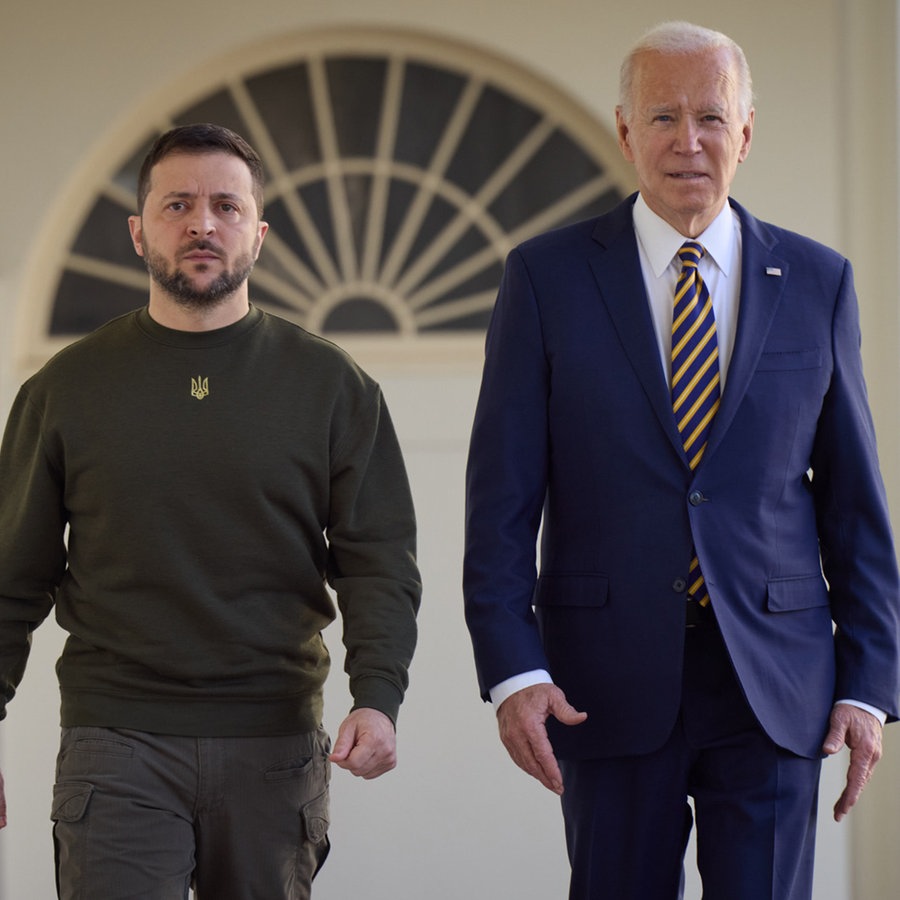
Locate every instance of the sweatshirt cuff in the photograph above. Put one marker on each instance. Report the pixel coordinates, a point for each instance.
(372, 692)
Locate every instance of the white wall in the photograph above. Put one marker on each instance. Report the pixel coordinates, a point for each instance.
(456, 819)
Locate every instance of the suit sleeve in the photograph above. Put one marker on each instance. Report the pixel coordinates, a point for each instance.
(506, 481)
(856, 543)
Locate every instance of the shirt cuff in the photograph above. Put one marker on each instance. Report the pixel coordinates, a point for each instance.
(504, 690)
(879, 714)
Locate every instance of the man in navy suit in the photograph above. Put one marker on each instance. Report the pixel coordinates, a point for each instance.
(711, 615)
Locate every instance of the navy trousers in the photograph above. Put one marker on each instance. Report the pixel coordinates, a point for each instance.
(628, 819)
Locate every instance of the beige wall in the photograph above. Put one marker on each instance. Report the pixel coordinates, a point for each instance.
(456, 819)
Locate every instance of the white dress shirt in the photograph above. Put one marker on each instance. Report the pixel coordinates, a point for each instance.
(720, 268)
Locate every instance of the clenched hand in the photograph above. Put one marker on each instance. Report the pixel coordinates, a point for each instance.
(366, 744)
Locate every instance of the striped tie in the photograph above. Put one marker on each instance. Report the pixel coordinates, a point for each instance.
(695, 373)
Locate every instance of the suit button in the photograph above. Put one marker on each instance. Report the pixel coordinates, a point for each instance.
(695, 498)
(679, 585)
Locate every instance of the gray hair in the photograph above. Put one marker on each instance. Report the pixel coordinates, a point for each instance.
(683, 37)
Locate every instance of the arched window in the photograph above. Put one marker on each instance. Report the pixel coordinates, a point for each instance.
(401, 169)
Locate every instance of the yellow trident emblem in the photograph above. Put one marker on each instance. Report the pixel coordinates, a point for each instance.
(199, 387)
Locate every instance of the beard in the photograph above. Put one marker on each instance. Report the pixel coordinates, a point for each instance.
(181, 288)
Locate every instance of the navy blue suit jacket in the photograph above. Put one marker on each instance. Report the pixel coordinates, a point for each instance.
(574, 436)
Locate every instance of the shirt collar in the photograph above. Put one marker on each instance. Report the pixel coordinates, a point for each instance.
(661, 242)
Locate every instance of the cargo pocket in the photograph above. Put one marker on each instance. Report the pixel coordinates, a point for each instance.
(315, 818)
(70, 801)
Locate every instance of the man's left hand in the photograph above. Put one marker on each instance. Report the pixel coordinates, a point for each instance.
(860, 731)
(366, 744)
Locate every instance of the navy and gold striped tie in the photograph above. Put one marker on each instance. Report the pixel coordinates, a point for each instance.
(695, 373)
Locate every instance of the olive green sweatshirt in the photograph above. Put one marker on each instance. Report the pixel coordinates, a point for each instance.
(212, 483)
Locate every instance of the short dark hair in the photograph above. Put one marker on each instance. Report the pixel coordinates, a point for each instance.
(201, 138)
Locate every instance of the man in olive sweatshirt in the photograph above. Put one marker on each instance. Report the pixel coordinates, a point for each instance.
(216, 468)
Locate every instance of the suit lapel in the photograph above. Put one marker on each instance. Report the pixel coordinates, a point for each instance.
(764, 278)
(617, 271)
(616, 267)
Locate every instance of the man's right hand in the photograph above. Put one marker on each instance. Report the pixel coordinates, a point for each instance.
(521, 718)
(2, 803)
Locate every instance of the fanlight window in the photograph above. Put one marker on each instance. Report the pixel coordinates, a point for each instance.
(397, 182)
